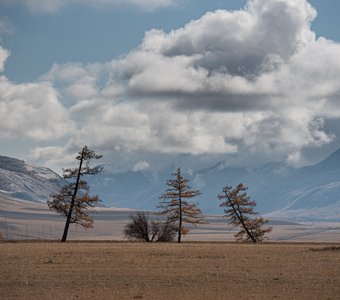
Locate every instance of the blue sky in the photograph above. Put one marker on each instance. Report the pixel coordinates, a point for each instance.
(86, 34)
(96, 60)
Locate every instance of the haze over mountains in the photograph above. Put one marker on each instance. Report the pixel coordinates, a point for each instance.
(308, 193)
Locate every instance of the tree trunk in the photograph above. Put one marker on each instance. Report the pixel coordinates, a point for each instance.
(239, 216)
(68, 219)
(180, 217)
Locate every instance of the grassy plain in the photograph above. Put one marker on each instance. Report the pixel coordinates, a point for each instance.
(191, 270)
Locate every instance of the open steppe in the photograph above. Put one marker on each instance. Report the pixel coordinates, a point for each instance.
(20, 220)
(191, 270)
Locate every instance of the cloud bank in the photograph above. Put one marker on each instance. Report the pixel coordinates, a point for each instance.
(254, 83)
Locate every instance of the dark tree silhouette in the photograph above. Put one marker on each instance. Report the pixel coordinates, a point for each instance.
(142, 229)
(176, 206)
(74, 201)
(239, 209)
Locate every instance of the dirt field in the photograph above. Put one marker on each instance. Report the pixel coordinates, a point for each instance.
(122, 270)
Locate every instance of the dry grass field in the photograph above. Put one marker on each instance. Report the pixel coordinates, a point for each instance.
(191, 270)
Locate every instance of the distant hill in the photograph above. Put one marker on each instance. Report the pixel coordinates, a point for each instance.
(27, 182)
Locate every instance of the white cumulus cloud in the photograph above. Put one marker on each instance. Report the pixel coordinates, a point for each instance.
(32, 111)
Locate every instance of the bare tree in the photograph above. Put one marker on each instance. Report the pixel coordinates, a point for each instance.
(239, 209)
(142, 229)
(74, 201)
(175, 206)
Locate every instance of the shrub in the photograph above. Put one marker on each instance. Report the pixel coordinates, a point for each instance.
(140, 228)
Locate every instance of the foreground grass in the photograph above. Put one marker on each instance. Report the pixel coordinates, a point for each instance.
(121, 270)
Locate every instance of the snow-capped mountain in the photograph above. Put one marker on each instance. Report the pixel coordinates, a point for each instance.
(27, 182)
(311, 192)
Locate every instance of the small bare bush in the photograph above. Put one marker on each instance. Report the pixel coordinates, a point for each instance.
(140, 228)
(164, 232)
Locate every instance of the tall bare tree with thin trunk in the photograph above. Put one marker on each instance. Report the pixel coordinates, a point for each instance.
(239, 209)
(176, 206)
(74, 201)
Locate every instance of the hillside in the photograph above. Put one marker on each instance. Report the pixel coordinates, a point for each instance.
(27, 182)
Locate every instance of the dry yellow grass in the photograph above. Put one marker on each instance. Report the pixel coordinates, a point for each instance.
(122, 270)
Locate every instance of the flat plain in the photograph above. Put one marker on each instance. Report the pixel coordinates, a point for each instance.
(190, 270)
(21, 220)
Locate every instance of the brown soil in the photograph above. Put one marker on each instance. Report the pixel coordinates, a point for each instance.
(122, 270)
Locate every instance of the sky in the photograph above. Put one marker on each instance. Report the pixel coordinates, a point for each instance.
(152, 83)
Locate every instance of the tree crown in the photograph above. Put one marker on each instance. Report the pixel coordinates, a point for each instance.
(85, 158)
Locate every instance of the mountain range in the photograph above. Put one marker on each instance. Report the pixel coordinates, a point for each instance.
(309, 193)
